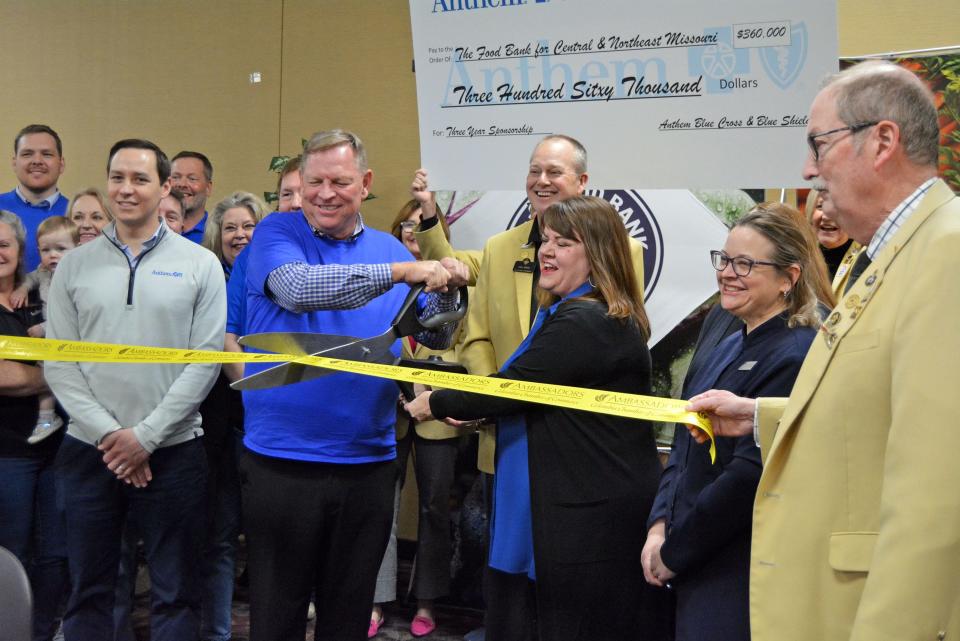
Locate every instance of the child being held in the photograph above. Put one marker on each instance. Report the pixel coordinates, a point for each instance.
(55, 237)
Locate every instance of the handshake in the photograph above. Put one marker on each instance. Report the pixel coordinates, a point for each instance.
(445, 275)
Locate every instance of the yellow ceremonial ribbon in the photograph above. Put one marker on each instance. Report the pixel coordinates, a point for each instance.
(637, 406)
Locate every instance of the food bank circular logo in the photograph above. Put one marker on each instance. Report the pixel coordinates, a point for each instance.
(639, 220)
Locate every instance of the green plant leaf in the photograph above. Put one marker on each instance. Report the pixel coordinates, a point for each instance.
(277, 163)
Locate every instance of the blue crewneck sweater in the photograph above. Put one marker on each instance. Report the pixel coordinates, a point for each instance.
(339, 418)
(32, 216)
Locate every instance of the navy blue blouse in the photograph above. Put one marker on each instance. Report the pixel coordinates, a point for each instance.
(707, 506)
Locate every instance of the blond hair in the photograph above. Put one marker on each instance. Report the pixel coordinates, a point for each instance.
(794, 243)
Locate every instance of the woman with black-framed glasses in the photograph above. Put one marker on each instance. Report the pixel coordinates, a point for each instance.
(770, 275)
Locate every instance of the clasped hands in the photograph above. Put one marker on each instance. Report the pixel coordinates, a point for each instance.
(654, 570)
(444, 275)
(729, 415)
(125, 457)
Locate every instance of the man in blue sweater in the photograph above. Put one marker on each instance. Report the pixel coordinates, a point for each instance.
(37, 163)
(318, 463)
(191, 173)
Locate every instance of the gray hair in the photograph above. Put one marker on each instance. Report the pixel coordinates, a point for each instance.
(323, 140)
(212, 238)
(879, 90)
(579, 151)
(20, 234)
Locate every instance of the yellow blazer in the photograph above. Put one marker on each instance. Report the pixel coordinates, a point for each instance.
(843, 270)
(856, 523)
(434, 245)
(498, 316)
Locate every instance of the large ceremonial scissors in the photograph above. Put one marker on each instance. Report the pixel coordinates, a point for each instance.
(367, 350)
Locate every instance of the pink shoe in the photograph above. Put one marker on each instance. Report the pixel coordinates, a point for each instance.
(422, 626)
(374, 627)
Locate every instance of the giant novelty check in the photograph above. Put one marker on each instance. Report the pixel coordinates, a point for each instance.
(662, 94)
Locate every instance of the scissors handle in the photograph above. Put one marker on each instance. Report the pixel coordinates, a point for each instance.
(407, 323)
(406, 389)
(431, 362)
(434, 363)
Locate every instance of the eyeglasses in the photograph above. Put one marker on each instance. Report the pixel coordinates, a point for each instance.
(408, 225)
(742, 266)
(812, 138)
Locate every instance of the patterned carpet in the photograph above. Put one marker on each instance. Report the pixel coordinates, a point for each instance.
(453, 620)
(455, 616)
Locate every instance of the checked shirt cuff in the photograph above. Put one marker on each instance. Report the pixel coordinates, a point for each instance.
(299, 287)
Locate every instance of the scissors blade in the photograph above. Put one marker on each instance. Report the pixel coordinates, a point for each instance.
(275, 376)
(367, 350)
(295, 342)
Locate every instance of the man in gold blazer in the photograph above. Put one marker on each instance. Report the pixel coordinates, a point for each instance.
(503, 306)
(856, 522)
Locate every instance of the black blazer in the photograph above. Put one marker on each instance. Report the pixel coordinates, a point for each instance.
(717, 325)
(592, 476)
(708, 506)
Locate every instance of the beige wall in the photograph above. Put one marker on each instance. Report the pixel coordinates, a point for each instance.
(876, 26)
(363, 82)
(177, 72)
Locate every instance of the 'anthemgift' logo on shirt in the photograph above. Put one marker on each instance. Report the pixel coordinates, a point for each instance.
(160, 272)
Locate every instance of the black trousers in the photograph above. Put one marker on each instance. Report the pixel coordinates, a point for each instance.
(434, 462)
(511, 606)
(314, 527)
(169, 513)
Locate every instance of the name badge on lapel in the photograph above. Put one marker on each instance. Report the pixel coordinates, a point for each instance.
(524, 266)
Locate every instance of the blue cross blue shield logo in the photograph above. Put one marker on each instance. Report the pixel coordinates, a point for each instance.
(783, 64)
